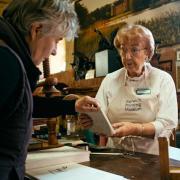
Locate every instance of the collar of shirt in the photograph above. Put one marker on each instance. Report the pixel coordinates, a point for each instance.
(147, 69)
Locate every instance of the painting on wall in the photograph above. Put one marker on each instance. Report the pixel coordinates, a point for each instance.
(165, 27)
(178, 55)
(178, 76)
(166, 66)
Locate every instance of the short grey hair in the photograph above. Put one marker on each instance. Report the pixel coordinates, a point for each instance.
(56, 16)
(138, 30)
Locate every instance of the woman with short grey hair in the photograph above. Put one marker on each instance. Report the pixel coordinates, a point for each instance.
(138, 30)
(56, 16)
(29, 33)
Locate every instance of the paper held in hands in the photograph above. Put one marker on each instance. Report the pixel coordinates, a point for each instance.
(101, 123)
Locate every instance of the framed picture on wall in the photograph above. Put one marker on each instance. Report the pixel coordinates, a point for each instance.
(166, 66)
(178, 55)
(178, 76)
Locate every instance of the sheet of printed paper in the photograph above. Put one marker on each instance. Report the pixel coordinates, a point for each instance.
(73, 171)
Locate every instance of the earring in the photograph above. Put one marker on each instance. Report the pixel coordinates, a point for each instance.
(147, 59)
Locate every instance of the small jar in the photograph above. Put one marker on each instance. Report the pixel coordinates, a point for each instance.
(71, 126)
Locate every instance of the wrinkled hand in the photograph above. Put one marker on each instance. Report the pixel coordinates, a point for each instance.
(86, 104)
(125, 129)
(85, 121)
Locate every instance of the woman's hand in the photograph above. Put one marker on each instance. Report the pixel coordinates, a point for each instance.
(86, 104)
(125, 129)
(85, 121)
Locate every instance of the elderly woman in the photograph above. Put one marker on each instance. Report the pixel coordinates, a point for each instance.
(29, 33)
(139, 100)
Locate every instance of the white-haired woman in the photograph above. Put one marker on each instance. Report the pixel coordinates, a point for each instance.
(29, 33)
(139, 100)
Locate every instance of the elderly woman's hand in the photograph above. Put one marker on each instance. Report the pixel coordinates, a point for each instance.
(86, 104)
(126, 129)
(85, 121)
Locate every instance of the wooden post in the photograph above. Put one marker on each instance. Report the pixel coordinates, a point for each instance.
(164, 158)
(49, 90)
(52, 137)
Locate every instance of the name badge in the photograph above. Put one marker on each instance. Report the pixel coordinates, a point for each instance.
(143, 91)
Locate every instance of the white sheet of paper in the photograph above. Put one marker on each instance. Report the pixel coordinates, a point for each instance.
(174, 153)
(55, 156)
(101, 123)
(75, 172)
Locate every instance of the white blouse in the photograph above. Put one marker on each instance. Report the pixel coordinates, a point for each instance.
(148, 98)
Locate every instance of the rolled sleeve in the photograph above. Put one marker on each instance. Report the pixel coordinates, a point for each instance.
(167, 116)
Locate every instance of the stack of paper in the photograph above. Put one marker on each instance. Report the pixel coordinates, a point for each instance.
(55, 156)
(35, 144)
(72, 142)
(73, 171)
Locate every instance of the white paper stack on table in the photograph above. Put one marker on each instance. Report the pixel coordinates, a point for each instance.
(55, 156)
(73, 172)
(61, 163)
(101, 123)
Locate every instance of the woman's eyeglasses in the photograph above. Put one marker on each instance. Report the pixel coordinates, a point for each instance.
(134, 51)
